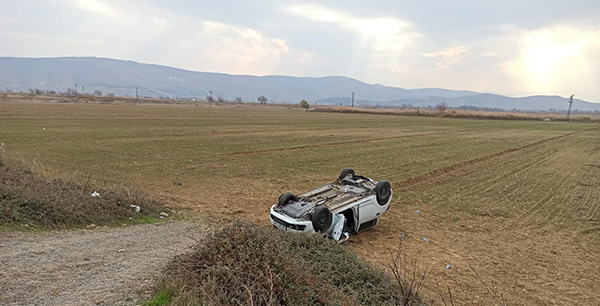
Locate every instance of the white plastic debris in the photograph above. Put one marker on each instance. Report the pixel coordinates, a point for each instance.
(162, 217)
(447, 267)
(121, 250)
(164, 214)
(136, 208)
(43, 129)
(417, 211)
(403, 236)
(425, 239)
(95, 194)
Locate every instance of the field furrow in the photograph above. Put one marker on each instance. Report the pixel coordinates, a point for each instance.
(444, 170)
(509, 199)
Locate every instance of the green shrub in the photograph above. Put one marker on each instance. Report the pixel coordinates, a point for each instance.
(248, 264)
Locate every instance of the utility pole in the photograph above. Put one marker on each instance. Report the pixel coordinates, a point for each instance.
(570, 104)
(353, 99)
(75, 88)
(210, 98)
(82, 90)
(136, 93)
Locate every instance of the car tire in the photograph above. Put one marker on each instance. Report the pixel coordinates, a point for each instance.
(286, 198)
(383, 191)
(345, 173)
(321, 219)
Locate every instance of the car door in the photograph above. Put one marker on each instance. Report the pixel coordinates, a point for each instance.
(368, 210)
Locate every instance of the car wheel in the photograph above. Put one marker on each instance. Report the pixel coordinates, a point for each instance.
(321, 219)
(383, 192)
(286, 198)
(345, 173)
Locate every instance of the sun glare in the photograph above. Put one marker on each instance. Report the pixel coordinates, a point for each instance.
(547, 53)
(94, 6)
(550, 56)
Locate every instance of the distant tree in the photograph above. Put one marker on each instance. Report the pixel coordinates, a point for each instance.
(97, 93)
(442, 106)
(210, 100)
(35, 91)
(304, 104)
(50, 92)
(262, 100)
(221, 100)
(238, 99)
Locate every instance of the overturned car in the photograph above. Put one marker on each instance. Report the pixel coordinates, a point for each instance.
(349, 205)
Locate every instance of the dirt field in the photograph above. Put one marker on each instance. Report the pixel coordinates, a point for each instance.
(517, 202)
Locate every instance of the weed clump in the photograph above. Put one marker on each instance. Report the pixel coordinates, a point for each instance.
(245, 264)
(29, 198)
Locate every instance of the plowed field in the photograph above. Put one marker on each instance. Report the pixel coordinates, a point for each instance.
(516, 202)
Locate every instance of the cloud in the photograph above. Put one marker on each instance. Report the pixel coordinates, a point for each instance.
(247, 49)
(387, 33)
(449, 56)
(483, 46)
(97, 6)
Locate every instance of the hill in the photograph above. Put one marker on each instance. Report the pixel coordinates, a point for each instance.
(123, 77)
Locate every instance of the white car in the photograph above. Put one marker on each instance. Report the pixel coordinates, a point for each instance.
(349, 205)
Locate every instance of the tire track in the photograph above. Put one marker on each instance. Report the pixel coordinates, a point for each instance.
(431, 175)
(332, 144)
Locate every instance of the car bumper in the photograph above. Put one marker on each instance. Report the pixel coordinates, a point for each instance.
(287, 223)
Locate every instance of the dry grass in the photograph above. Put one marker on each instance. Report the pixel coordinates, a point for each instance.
(409, 278)
(29, 198)
(468, 114)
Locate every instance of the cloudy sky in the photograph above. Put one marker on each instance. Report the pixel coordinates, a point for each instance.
(508, 47)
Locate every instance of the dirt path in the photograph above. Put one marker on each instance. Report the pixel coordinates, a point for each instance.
(103, 266)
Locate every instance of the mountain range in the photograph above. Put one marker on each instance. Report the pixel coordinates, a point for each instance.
(123, 77)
